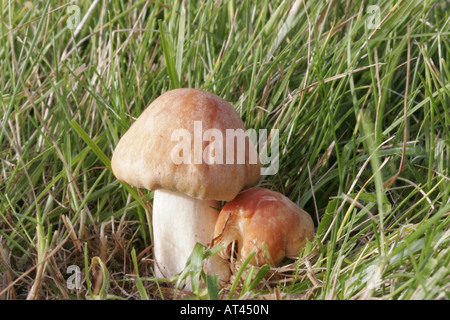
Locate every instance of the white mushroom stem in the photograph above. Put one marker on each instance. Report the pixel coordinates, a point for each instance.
(179, 222)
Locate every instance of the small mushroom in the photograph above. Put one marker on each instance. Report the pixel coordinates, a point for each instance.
(263, 221)
(168, 149)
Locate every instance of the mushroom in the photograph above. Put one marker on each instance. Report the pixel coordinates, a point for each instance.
(176, 148)
(263, 221)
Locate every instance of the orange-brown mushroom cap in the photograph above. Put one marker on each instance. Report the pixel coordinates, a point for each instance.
(266, 222)
(143, 156)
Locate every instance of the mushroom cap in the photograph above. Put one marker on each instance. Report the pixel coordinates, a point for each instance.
(144, 155)
(266, 222)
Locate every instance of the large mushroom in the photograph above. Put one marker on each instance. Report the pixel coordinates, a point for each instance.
(177, 148)
(263, 221)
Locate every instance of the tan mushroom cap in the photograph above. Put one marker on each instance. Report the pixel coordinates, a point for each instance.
(266, 222)
(143, 158)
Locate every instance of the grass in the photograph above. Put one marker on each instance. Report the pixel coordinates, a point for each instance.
(361, 103)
